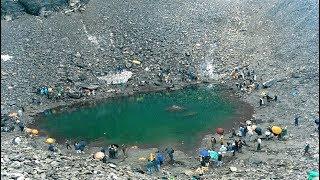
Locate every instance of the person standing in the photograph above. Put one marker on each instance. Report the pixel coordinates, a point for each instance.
(261, 102)
(296, 120)
(124, 149)
(213, 142)
(219, 163)
(259, 144)
(68, 144)
(233, 133)
(170, 152)
(159, 159)
(306, 149)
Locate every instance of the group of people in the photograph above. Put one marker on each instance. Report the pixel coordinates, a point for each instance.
(156, 161)
(248, 79)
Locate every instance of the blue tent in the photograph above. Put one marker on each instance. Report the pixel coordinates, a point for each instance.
(204, 153)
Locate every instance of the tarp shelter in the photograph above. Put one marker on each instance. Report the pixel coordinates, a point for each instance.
(276, 130)
(213, 155)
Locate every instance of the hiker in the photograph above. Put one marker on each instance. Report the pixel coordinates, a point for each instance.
(159, 160)
(213, 141)
(283, 133)
(219, 163)
(82, 145)
(261, 102)
(296, 120)
(234, 149)
(258, 130)
(245, 130)
(103, 150)
(124, 148)
(221, 139)
(223, 149)
(205, 160)
(21, 126)
(269, 98)
(259, 144)
(77, 147)
(104, 159)
(241, 131)
(52, 148)
(170, 152)
(229, 147)
(112, 151)
(233, 133)
(306, 149)
(238, 86)
(150, 166)
(68, 144)
(240, 144)
(317, 122)
(268, 134)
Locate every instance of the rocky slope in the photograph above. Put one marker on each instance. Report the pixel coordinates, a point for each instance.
(174, 41)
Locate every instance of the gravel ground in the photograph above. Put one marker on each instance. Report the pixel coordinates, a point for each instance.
(178, 40)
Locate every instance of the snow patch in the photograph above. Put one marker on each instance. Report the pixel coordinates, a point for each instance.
(5, 57)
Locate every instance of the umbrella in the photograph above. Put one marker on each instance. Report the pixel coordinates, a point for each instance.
(213, 155)
(204, 153)
(276, 129)
(34, 132)
(99, 155)
(219, 131)
(50, 141)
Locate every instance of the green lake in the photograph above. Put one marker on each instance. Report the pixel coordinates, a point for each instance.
(158, 119)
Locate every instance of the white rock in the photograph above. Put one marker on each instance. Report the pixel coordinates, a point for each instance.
(112, 165)
(21, 178)
(5, 57)
(17, 140)
(233, 169)
(118, 78)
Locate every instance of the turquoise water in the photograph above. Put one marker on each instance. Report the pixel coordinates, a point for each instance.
(145, 119)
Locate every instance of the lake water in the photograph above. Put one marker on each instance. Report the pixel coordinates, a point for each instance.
(151, 119)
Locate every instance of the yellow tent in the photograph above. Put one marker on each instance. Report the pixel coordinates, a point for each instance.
(34, 132)
(276, 130)
(50, 141)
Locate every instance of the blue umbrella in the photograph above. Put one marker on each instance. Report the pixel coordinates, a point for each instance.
(204, 153)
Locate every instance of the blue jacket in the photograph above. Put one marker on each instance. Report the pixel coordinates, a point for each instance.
(159, 158)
